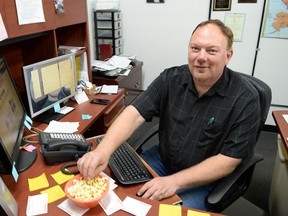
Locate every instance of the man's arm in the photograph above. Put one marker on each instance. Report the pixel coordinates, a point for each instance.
(121, 129)
(207, 171)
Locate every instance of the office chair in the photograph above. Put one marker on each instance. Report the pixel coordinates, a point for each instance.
(232, 187)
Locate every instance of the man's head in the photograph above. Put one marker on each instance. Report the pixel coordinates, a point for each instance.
(210, 49)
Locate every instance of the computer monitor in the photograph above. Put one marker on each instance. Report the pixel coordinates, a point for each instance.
(12, 118)
(49, 84)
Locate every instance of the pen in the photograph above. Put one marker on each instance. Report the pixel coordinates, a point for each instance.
(83, 84)
(211, 121)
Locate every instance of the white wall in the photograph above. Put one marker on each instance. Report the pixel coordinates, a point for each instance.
(244, 51)
(158, 34)
(90, 9)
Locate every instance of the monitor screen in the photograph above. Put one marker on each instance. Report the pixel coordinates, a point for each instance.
(49, 83)
(12, 117)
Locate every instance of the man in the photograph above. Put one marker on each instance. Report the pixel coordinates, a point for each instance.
(208, 121)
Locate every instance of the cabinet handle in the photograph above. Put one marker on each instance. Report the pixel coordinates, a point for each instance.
(137, 84)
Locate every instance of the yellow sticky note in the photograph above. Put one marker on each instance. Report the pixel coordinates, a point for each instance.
(38, 182)
(54, 193)
(60, 177)
(195, 213)
(171, 210)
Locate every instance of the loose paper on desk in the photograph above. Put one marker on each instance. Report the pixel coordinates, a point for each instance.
(285, 117)
(102, 65)
(71, 208)
(62, 127)
(37, 204)
(113, 63)
(81, 97)
(135, 207)
(119, 61)
(109, 89)
(111, 203)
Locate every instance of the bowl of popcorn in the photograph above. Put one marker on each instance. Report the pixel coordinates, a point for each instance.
(86, 193)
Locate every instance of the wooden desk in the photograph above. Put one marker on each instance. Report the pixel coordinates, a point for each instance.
(20, 190)
(102, 115)
(282, 125)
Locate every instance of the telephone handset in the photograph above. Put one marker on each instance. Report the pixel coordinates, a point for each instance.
(59, 141)
(59, 147)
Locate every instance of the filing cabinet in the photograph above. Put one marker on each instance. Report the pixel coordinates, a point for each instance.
(131, 83)
(108, 31)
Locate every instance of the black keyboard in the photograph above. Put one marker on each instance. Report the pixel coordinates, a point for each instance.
(127, 166)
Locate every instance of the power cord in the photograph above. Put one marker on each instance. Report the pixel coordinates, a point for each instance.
(35, 132)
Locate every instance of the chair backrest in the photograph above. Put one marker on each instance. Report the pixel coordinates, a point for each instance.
(236, 184)
(265, 94)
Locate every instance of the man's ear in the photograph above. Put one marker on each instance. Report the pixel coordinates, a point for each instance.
(229, 55)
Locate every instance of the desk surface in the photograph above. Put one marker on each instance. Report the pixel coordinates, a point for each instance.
(20, 190)
(282, 125)
(95, 110)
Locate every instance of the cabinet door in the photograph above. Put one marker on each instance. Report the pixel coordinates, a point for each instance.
(12, 25)
(75, 12)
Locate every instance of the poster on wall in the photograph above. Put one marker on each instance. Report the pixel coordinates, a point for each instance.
(276, 19)
(222, 5)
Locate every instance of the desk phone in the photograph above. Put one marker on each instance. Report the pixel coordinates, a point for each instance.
(60, 147)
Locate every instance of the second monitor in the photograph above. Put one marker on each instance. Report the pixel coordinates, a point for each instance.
(48, 84)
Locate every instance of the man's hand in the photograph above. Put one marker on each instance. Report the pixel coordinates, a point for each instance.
(158, 188)
(92, 163)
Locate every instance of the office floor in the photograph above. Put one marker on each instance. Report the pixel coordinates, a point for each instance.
(258, 192)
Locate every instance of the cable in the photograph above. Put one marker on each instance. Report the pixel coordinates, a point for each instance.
(35, 133)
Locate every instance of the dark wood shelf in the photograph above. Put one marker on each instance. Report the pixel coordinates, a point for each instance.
(31, 43)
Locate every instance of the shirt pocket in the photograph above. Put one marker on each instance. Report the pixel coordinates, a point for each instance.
(210, 136)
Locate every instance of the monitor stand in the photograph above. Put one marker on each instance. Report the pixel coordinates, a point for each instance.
(48, 116)
(25, 160)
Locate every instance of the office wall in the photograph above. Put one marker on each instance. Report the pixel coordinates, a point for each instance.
(271, 67)
(244, 50)
(158, 34)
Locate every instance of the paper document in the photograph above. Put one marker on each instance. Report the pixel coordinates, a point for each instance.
(285, 117)
(62, 127)
(29, 11)
(102, 65)
(119, 61)
(109, 89)
(3, 32)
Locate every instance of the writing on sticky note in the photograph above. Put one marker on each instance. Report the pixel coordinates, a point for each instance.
(171, 210)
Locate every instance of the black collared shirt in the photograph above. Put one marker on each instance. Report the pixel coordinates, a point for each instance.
(191, 128)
